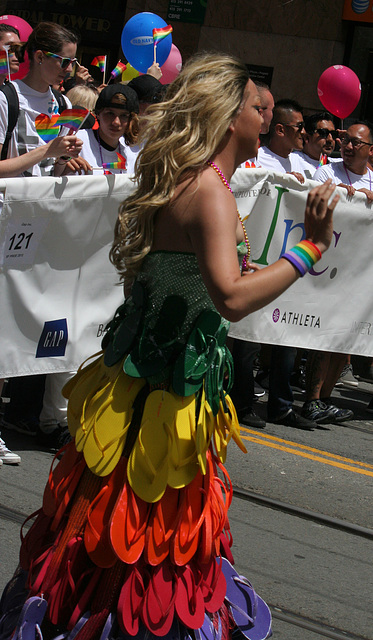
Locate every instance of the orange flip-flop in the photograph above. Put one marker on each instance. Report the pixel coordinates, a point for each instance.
(96, 533)
(128, 525)
(186, 539)
(161, 527)
(57, 477)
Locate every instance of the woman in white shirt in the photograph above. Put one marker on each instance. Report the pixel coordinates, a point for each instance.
(51, 50)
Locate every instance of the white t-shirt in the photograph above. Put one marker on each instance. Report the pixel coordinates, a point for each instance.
(308, 165)
(270, 160)
(96, 154)
(339, 173)
(132, 153)
(24, 136)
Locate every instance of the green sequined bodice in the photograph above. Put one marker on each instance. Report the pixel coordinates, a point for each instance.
(166, 273)
(169, 331)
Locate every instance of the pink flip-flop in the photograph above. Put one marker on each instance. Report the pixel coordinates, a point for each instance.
(158, 605)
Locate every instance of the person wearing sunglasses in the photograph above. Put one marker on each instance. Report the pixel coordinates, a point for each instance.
(9, 36)
(352, 171)
(319, 142)
(51, 50)
(286, 134)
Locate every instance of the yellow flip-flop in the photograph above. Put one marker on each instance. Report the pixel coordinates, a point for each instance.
(85, 383)
(105, 440)
(183, 463)
(148, 462)
(205, 429)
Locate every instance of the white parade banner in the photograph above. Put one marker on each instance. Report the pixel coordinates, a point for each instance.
(58, 289)
(330, 308)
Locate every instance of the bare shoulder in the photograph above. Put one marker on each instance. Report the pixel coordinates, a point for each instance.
(203, 201)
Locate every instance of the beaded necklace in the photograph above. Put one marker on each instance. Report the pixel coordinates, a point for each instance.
(349, 180)
(227, 185)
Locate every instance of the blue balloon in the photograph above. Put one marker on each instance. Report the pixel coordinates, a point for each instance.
(137, 41)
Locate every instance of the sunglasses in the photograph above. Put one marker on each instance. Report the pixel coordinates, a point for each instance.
(64, 62)
(324, 133)
(356, 142)
(299, 126)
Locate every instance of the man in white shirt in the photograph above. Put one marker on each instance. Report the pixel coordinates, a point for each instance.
(352, 172)
(319, 142)
(286, 133)
(324, 368)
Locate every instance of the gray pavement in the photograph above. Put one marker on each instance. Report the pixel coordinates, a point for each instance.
(296, 565)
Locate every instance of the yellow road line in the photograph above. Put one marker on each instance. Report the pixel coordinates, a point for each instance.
(303, 454)
(304, 447)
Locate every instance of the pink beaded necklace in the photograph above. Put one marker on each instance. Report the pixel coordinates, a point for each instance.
(227, 185)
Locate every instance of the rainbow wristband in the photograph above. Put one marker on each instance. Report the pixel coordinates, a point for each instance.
(303, 256)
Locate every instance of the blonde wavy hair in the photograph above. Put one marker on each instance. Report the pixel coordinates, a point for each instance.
(182, 133)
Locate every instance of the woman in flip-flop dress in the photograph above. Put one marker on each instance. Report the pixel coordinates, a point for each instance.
(134, 538)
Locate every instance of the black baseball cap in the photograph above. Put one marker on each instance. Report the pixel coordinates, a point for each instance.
(105, 99)
(147, 88)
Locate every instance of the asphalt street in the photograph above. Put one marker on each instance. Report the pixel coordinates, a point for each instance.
(319, 575)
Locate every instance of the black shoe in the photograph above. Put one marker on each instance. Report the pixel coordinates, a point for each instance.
(337, 414)
(369, 408)
(251, 419)
(295, 420)
(318, 412)
(55, 439)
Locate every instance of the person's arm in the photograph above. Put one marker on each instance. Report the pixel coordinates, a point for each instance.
(368, 193)
(212, 228)
(57, 148)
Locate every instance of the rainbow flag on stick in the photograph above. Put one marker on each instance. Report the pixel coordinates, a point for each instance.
(120, 164)
(100, 62)
(158, 35)
(72, 118)
(118, 70)
(3, 62)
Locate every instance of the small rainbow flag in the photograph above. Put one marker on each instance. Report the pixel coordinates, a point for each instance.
(100, 62)
(120, 164)
(323, 160)
(159, 34)
(3, 62)
(72, 118)
(118, 70)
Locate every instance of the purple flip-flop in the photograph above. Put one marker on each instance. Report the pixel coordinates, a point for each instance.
(251, 614)
(208, 631)
(30, 620)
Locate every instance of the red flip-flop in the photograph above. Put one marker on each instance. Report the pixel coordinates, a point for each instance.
(213, 585)
(158, 606)
(130, 601)
(189, 601)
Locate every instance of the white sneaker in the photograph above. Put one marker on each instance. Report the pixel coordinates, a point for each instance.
(7, 456)
(347, 378)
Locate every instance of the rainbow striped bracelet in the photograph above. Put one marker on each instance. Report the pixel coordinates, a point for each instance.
(303, 256)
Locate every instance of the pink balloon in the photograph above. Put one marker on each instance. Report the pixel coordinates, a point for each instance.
(24, 31)
(172, 67)
(339, 90)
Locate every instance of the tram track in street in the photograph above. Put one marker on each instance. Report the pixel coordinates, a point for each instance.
(301, 512)
(321, 630)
